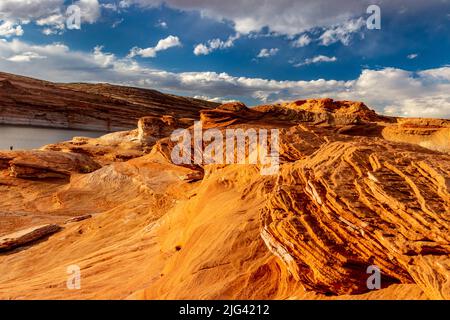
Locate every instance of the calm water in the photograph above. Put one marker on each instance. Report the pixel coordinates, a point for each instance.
(21, 137)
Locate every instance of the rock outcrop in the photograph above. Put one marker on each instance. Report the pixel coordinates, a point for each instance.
(23, 237)
(151, 129)
(432, 134)
(78, 219)
(353, 204)
(354, 191)
(99, 107)
(39, 164)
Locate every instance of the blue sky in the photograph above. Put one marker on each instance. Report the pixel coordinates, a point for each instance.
(255, 51)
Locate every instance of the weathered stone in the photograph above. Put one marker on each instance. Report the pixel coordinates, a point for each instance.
(151, 129)
(77, 219)
(37, 164)
(26, 236)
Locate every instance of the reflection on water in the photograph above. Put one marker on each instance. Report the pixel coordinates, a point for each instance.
(20, 137)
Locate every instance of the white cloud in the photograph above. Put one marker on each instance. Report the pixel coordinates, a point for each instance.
(90, 10)
(437, 74)
(394, 91)
(26, 10)
(46, 13)
(163, 44)
(412, 56)
(26, 57)
(316, 59)
(215, 44)
(56, 23)
(169, 42)
(116, 23)
(426, 107)
(266, 53)
(49, 31)
(290, 17)
(215, 99)
(162, 24)
(124, 4)
(9, 29)
(104, 60)
(342, 32)
(302, 41)
(201, 49)
(109, 6)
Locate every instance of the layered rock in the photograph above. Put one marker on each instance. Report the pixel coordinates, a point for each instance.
(100, 107)
(27, 236)
(359, 203)
(432, 134)
(151, 129)
(336, 112)
(352, 192)
(38, 164)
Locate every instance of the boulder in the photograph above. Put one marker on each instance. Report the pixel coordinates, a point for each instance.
(77, 219)
(38, 164)
(26, 236)
(151, 128)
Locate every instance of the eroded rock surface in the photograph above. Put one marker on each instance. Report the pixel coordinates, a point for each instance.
(354, 204)
(23, 237)
(37, 164)
(100, 107)
(354, 190)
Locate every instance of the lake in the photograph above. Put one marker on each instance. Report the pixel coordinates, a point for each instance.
(23, 137)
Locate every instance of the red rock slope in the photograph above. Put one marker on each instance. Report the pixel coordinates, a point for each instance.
(354, 189)
(101, 107)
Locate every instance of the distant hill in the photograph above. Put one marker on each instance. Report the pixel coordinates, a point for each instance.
(104, 107)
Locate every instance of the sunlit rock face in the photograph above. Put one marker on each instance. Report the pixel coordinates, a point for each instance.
(354, 190)
(100, 107)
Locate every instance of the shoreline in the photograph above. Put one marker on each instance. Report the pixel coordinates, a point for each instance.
(35, 126)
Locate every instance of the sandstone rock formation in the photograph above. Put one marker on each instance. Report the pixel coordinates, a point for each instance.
(39, 164)
(151, 129)
(20, 238)
(78, 219)
(100, 107)
(433, 134)
(354, 190)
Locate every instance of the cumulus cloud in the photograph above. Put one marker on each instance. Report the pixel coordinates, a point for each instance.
(392, 91)
(215, 99)
(161, 24)
(26, 57)
(342, 32)
(109, 6)
(266, 53)
(289, 17)
(163, 44)
(90, 10)
(301, 41)
(54, 23)
(46, 13)
(215, 44)
(282, 16)
(27, 10)
(8, 29)
(316, 59)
